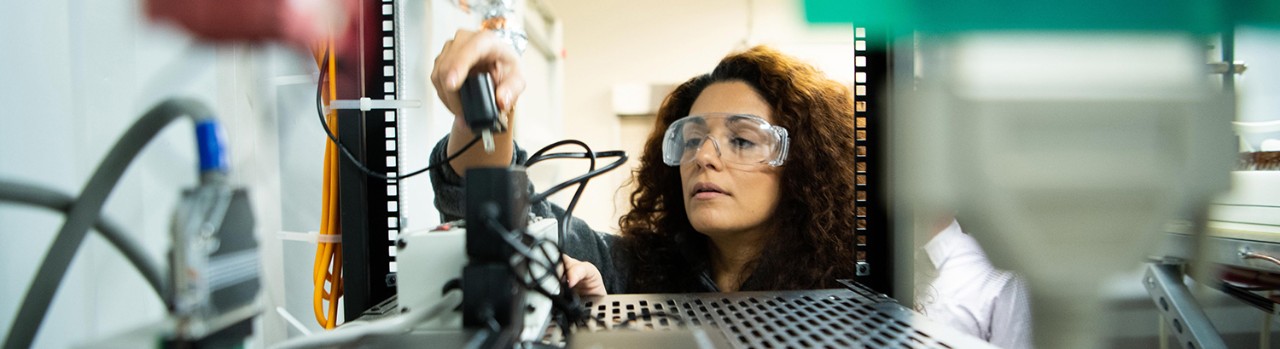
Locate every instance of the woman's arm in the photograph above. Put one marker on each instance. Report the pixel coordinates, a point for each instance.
(468, 52)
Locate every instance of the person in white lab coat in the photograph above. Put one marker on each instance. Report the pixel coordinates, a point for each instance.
(960, 288)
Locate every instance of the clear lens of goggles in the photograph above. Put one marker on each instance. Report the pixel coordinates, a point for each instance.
(738, 138)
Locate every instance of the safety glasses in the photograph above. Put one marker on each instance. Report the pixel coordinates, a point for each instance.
(740, 139)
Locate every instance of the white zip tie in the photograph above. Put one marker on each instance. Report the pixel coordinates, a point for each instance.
(366, 104)
(312, 237)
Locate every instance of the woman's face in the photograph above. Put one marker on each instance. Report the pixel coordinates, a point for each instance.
(726, 201)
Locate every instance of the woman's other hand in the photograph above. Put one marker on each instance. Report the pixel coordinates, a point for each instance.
(584, 278)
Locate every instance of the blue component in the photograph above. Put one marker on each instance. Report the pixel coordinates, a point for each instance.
(212, 149)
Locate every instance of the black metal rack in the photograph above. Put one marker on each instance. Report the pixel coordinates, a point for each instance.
(872, 83)
(369, 232)
(370, 206)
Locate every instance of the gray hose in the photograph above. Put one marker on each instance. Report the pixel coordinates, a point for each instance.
(39, 196)
(85, 211)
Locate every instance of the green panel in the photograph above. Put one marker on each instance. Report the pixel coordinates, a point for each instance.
(944, 16)
(869, 13)
(1264, 13)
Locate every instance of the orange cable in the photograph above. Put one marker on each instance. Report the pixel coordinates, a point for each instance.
(335, 284)
(327, 267)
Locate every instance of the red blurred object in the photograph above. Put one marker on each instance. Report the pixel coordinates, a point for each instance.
(296, 22)
(1251, 278)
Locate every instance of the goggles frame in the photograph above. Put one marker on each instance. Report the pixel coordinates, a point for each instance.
(672, 137)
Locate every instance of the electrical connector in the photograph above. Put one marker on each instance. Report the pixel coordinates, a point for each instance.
(479, 108)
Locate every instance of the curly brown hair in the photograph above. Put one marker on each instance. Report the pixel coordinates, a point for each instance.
(812, 243)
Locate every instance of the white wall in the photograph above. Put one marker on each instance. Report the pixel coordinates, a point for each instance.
(610, 42)
(426, 27)
(1256, 88)
(77, 74)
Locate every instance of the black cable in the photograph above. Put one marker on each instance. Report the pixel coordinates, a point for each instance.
(562, 227)
(599, 154)
(583, 178)
(539, 155)
(85, 211)
(529, 259)
(35, 195)
(517, 247)
(571, 311)
(542, 247)
(566, 218)
(581, 181)
(347, 152)
(575, 313)
(566, 302)
(561, 278)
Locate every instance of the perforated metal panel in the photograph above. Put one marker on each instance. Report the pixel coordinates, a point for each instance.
(840, 318)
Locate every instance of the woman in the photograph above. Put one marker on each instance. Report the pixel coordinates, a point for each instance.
(744, 184)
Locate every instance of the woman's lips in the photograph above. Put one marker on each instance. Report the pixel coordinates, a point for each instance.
(708, 195)
(707, 191)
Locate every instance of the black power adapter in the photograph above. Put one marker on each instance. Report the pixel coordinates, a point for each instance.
(480, 109)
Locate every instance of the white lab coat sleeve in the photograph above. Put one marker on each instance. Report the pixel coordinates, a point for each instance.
(1011, 316)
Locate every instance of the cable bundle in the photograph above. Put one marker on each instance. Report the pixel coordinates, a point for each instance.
(327, 269)
(527, 246)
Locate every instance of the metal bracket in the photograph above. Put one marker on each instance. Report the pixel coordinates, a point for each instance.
(1192, 327)
(1237, 68)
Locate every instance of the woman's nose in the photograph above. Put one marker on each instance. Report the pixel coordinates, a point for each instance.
(708, 157)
